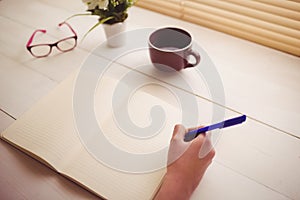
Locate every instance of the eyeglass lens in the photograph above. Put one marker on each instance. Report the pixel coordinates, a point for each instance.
(41, 50)
(66, 44)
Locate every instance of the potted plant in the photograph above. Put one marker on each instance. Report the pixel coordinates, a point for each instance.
(112, 14)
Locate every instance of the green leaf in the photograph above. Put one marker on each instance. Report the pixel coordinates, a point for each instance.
(76, 15)
(97, 24)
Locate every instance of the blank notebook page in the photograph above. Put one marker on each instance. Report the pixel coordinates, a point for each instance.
(48, 132)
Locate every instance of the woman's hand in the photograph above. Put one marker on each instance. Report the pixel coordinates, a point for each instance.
(187, 163)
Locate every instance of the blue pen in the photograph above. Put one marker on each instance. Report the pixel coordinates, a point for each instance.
(230, 122)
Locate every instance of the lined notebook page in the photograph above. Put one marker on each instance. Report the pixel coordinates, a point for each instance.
(48, 131)
(45, 131)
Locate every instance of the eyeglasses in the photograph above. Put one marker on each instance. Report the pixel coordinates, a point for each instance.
(43, 50)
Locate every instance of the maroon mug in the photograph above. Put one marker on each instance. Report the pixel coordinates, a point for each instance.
(172, 47)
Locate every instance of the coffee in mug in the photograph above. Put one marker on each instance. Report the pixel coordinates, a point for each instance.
(172, 47)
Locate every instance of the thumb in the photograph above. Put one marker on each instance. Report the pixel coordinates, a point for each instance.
(177, 146)
(179, 131)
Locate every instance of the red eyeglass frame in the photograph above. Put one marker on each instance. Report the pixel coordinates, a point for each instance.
(29, 46)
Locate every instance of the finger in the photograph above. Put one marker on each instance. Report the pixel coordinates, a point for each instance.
(203, 147)
(179, 130)
(198, 141)
(207, 149)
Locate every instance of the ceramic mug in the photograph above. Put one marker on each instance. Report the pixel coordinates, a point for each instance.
(172, 48)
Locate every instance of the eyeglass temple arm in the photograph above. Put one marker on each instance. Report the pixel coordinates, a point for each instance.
(44, 31)
(60, 24)
(32, 36)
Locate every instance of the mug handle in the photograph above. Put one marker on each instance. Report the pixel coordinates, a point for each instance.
(196, 56)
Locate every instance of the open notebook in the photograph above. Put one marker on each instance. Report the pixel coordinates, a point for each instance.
(48, 133)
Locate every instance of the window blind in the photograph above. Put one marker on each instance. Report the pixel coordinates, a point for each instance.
(273, 23)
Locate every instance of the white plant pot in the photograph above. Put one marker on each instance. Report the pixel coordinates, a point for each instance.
(114, 34)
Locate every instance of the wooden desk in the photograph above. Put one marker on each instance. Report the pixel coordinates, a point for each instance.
(261, 160)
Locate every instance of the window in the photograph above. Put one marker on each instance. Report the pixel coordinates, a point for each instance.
(273, 23)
